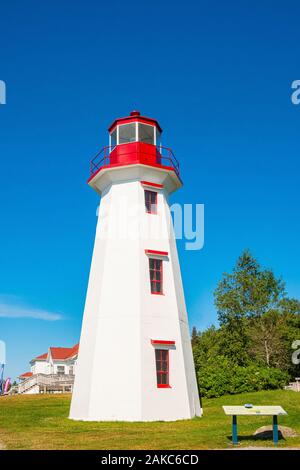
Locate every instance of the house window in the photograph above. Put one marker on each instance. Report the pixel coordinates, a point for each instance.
(61, 370)
(162, 367)
(71, 370)
(156, 275)
(151, 201)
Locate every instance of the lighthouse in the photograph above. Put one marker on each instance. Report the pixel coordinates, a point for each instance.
(135, 359)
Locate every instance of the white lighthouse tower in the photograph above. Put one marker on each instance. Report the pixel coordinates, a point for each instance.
(135, 359)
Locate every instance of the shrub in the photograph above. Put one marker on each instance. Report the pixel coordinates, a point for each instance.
(223, 377)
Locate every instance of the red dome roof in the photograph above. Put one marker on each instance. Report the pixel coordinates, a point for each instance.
(135, 116)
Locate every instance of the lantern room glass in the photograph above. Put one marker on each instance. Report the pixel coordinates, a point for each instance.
(146, 133)
(113, 139)
(158, 138)
(127, 133)
(134, 132)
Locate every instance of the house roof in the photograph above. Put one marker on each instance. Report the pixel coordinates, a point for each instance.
(61, 354)
(74, 350)
(64, 353)
(25, 375)
(41, 357)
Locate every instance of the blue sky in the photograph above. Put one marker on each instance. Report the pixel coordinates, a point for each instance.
(218, 78)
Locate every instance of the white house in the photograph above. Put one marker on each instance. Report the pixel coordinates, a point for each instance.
(52, 371)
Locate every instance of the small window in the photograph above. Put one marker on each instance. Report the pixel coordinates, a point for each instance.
(162, 367)
(146, 134)
(113, 139)
(127, 133)
(151, 201)
(156, 274)
(61, 370)
(71, 370)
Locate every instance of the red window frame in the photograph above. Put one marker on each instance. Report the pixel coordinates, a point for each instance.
(162, 368)
(156, 275)
(150, 201)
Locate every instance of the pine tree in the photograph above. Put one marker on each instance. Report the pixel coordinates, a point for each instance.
(194, 335)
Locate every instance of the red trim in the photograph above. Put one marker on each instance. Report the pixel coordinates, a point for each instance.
(163, 386)
(156, 252)
(161, 341)
(154, 185)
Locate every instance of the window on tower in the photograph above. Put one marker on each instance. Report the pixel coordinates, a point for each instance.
(151, 201)
(162, 367)
(156, 275)
(127, 133)
(146, 133)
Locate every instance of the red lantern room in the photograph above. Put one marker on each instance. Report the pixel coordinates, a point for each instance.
(134, 140)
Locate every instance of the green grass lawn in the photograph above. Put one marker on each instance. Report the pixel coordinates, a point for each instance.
(40, 422)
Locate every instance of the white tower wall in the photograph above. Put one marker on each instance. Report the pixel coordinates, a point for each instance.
(116, 370)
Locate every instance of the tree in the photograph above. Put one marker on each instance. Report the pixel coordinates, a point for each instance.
(245, 296)
(272, 334)
(266, 342)
(290, 331)
(252, 348)
(194, 335)
(207, 347)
